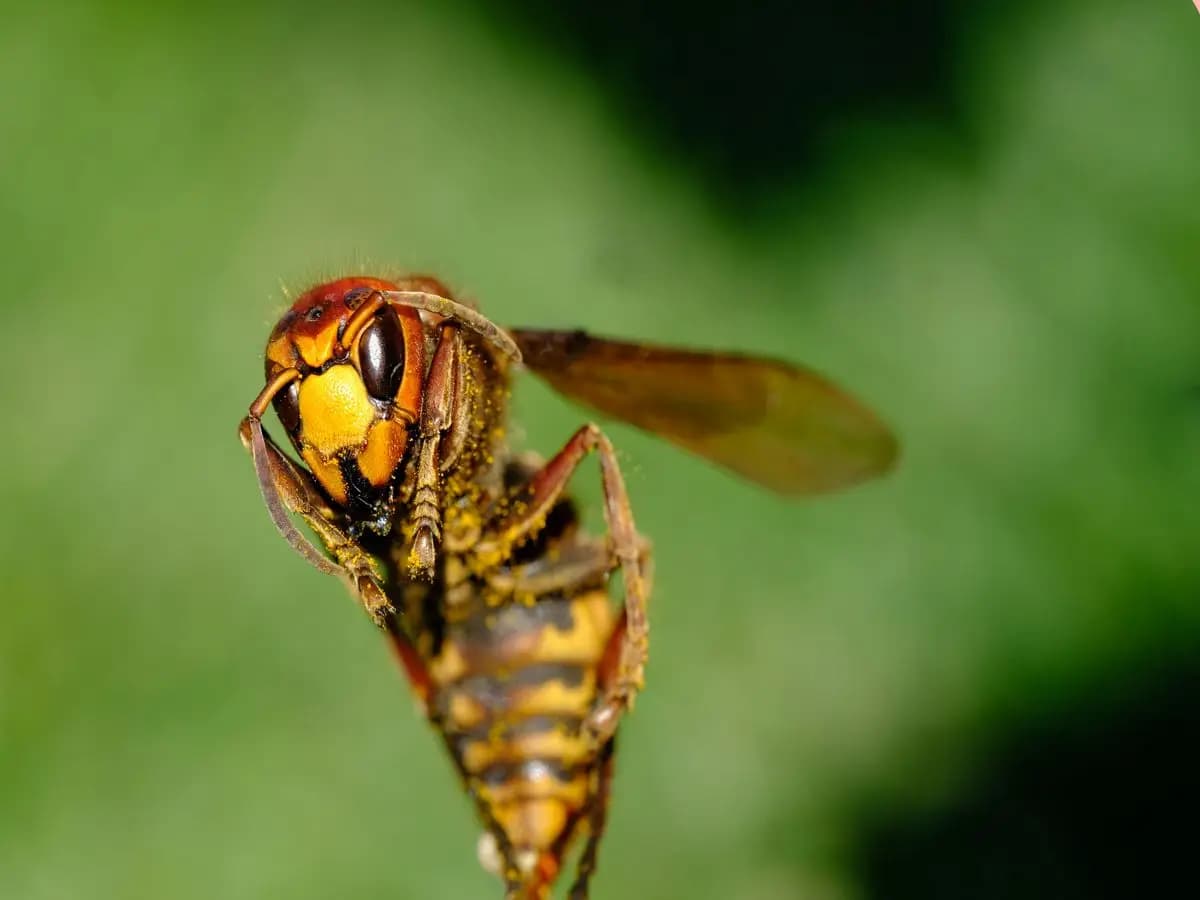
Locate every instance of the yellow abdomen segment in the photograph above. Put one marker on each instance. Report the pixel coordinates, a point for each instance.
(513, 686)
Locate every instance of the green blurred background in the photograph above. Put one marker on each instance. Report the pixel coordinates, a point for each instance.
(977, 678)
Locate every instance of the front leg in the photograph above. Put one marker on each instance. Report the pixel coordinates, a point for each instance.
(527, 509)
(287, 487)
(293, 488)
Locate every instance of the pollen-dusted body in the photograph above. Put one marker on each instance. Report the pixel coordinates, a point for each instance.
(471, 559)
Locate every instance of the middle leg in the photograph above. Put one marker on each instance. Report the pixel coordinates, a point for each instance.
(527, 509)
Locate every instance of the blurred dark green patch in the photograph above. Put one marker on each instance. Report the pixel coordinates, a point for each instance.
(1087, 801)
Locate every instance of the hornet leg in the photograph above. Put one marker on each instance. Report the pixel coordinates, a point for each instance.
(301, 496)
(597, 819)
(529, 506)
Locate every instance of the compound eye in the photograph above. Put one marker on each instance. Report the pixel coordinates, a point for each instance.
(287, 407)
(381, 357)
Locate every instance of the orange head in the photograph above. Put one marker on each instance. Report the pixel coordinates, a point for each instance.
(352, 371)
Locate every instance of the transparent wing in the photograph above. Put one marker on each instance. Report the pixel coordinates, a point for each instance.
(786, 428)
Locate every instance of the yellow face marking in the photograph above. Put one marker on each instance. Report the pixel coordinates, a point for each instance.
(327, 473)
(386, 441)
(335, 412)
(315, 349)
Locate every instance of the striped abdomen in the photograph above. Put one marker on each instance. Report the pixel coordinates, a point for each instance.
(511, 687)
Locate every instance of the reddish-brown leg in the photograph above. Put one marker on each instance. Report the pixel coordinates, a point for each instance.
(597, 820)
(301, 496)
(529, 506)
